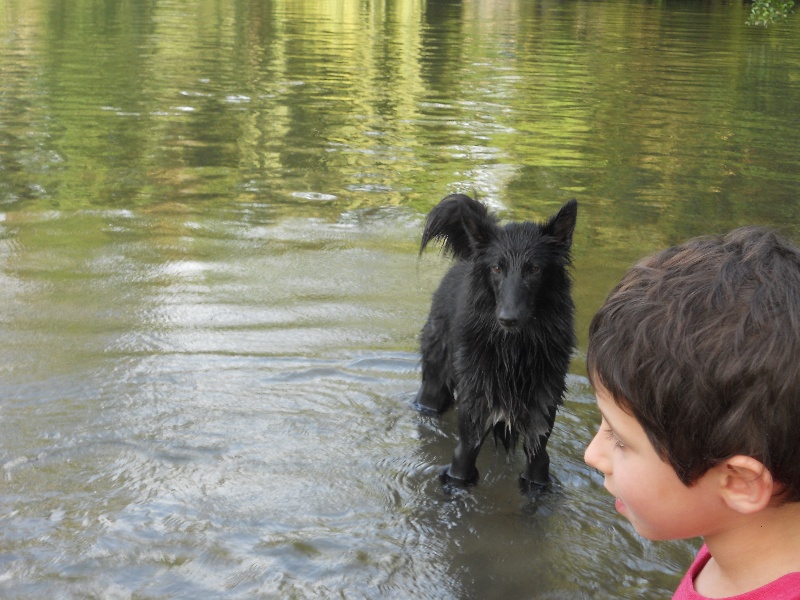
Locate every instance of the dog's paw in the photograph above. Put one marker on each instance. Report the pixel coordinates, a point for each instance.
(450, 482)
(533, 489)
(425, 410)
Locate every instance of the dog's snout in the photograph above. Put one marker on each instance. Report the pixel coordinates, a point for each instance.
(511, 302)
(508, 319)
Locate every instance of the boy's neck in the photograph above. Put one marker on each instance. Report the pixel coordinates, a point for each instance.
(753, 552)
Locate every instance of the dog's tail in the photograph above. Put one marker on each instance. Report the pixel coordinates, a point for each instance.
(459, 222)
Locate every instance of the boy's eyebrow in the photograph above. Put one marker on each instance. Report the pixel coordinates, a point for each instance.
(610, 425)
(605, 418)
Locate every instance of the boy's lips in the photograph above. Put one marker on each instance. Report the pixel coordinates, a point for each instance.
(619, 504)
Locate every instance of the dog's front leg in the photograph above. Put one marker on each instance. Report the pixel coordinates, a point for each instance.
(537, 467)
(470, 439)
(433, 396)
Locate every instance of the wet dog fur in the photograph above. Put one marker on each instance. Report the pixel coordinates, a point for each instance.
(500, 332)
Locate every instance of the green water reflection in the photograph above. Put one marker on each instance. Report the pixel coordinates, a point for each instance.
(365, 104)
(664, 122)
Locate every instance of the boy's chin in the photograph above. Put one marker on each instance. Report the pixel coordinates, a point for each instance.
(643, 531)
(649, 534)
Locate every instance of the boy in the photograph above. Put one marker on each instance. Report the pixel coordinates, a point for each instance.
(695, 361)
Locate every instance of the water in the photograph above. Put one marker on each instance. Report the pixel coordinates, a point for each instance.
(209, 221)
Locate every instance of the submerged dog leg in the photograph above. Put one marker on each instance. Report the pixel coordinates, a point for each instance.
(433, 395)
(537, 468)
(470, 440)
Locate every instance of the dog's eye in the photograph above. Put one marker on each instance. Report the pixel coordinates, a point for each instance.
(497, 269)
(532, 269)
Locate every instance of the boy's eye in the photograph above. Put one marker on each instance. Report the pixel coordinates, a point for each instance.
(612, 436)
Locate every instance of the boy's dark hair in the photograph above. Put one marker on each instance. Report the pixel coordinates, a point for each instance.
(701, 344)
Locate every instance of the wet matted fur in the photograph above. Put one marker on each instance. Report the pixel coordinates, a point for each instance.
(500, 333)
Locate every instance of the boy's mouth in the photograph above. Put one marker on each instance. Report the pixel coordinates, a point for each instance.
(619, 505)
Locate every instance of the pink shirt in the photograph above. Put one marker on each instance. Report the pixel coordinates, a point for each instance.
(784, 588)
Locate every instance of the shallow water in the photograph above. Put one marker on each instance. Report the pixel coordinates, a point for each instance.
(211, 292)
(236, 420)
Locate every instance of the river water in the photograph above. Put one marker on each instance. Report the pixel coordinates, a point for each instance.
(210, 289)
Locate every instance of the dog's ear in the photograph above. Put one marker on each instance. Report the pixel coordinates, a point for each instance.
(562, 224)
(461, 223)
(478, 223)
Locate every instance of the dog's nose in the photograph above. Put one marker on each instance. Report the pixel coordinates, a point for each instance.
(508, 321)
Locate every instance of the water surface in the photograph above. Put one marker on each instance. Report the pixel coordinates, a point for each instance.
(210, 293)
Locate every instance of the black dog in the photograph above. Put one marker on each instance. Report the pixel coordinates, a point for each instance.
(500, 333)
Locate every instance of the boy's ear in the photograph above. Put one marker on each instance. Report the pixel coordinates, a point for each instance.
(746, 485)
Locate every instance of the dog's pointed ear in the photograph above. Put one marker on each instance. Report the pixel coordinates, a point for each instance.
(478, 223)
(562, 224)
(461, 223)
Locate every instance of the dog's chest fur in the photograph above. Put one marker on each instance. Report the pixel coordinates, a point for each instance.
(507, 379)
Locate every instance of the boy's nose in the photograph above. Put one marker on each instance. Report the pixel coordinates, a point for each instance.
(593, 456)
